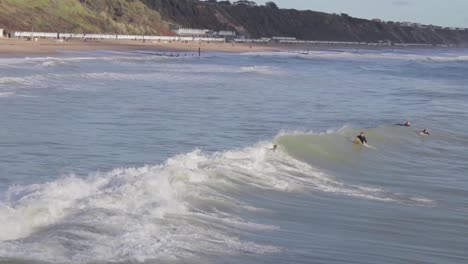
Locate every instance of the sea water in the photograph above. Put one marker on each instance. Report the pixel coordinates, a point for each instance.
(124, 157)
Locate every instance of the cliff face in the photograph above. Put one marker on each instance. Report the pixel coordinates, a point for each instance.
(263, 21)
(309, 25)
(158, 16)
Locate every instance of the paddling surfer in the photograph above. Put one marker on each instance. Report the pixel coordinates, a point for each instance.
(425, 132)
(362, 138)
(406, 124)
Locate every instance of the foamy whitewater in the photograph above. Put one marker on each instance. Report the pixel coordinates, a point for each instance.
(124, 157)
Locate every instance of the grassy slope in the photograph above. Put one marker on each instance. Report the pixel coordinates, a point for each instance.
(116, 16)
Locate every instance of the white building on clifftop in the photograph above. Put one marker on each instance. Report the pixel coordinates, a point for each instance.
(191, 32)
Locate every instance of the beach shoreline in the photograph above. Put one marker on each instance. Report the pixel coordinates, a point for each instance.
(23, 47)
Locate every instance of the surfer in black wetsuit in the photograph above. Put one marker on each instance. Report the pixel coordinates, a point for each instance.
(274, 148)
(362, 138)
(406, 124)
(425, 132)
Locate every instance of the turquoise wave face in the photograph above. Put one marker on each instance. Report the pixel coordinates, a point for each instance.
(339, 146)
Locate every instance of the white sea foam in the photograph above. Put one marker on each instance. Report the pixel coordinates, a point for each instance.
(261, 69)
(190, 74)
(27, 80)
(77, 57)
(53, 63)
(359, 55)
(7, 94)
(42, 61)
(158, 212)
(134, 213)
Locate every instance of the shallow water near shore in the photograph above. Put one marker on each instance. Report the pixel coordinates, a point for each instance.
(118, 157)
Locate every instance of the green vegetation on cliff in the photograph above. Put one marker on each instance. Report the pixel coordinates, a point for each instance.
(96, 16)
(159, 16)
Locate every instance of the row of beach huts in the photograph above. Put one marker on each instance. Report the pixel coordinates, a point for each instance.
(56, 35)
(187, 38)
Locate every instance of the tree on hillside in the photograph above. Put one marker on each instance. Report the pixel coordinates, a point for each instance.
(271, 4)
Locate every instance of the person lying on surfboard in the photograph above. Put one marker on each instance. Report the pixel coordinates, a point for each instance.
(406, 124)
(425, 132)
(362, 138)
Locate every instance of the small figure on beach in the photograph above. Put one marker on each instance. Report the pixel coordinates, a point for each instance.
(274, 148)
(406, 124)
(362, 138)
(425, 132)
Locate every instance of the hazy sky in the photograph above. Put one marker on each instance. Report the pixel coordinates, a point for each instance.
(438, 12)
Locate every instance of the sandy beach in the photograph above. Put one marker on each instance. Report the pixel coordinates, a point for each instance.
(16, 47)
(20, 47)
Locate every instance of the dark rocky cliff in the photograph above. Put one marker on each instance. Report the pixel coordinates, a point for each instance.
(264, 21)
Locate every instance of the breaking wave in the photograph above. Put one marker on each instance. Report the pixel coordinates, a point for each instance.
(168, 211)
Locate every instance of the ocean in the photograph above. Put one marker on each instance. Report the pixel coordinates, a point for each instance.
(128, 157)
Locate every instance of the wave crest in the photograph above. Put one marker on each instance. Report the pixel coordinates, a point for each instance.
(188, 204)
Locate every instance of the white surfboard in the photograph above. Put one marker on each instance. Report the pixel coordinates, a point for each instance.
(358, 141)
